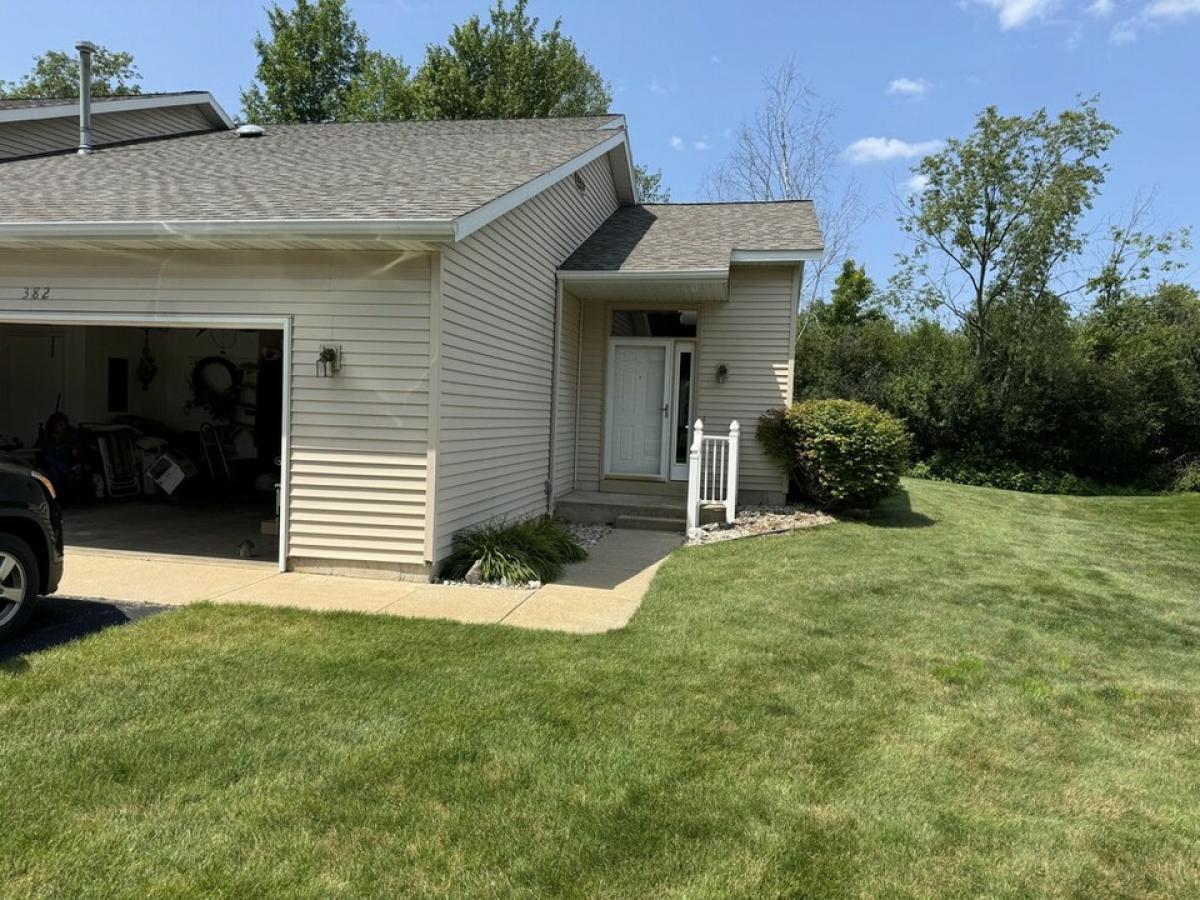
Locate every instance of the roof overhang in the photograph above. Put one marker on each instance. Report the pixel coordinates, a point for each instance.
(690, 285)
(257, 231)
(774, 257)
(100, 107)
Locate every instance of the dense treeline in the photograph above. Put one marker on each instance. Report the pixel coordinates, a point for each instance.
(1055, 402)
(1016, 355)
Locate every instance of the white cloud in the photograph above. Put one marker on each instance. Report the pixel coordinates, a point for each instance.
(676, 142)
(715, 60)
(1173, 9)
(657, 87)
(1017, 13)
(1102, 9)
(700, 145)
(1124, 32)
(1153, 16)
(909, 87)
(917, 183)
(880, 149)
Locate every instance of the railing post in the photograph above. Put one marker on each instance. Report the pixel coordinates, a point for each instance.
(693, 494)
(731, 488)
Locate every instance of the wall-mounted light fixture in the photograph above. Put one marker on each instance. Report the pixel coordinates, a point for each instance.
(329, 361)
(722, 373)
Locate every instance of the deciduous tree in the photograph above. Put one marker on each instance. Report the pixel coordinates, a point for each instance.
(786, 152)
(308, 66)
(56, 74)
(507, 69)
(999, 213)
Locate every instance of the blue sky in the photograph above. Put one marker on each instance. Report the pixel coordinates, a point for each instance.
(687, 72)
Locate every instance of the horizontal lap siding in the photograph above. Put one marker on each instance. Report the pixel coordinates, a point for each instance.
(592, 361)
(49, 135)
(358, 440)
(751, 333)
(498, 300)
(568, 396)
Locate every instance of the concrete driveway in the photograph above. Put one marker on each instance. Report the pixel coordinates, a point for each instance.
(600, 594)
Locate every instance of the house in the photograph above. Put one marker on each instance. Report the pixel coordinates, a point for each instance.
(426, 325)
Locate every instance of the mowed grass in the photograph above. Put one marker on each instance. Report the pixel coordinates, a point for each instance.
(977, 693)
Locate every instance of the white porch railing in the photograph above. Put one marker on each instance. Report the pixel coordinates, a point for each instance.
(712, 472)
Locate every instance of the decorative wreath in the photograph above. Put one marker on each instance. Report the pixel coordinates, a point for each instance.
(221, 400)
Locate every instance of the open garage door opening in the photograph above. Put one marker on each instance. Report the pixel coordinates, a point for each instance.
(159, 440)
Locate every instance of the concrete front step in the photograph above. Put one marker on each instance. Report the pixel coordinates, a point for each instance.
(650, 523)
(597, 507)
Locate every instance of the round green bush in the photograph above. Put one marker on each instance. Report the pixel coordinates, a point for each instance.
(1188, 477)
(841, 453)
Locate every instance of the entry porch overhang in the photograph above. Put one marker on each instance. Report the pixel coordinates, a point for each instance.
(691, 286)
(684, 252)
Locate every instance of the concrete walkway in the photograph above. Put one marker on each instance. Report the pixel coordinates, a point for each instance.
(600, 594)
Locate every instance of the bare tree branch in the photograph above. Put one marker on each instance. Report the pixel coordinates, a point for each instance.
(785, 152)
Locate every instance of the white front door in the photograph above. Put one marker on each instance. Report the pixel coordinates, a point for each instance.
(639, 385)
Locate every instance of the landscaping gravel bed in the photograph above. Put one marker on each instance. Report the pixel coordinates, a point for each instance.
(753, 521)
(589, 535)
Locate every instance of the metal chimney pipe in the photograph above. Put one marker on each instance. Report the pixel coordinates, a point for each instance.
(86, 49)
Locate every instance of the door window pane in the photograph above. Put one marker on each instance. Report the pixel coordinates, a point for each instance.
(671, 323)
(683, 412)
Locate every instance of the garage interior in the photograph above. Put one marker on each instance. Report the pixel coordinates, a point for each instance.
(160, 440)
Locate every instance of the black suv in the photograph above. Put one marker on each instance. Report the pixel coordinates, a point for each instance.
(31, 543)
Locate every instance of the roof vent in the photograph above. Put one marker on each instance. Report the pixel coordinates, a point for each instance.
(250, 131)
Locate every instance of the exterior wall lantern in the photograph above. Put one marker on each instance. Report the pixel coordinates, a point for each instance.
(722, 373)
(329, 361)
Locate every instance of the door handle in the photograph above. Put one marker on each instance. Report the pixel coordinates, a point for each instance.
(666, 408)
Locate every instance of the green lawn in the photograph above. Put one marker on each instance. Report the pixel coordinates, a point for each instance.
(980, 693)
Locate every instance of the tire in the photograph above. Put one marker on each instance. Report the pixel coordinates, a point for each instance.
(19, 582)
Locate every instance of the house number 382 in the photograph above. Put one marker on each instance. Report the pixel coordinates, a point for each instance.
(36, 293)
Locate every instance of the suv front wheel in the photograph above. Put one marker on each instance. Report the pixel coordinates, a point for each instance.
(19, 580)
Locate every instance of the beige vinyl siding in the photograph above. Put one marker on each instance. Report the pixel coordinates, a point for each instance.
(498, 303)
(568, 395)
(358, 439)
(751, 333)
(593, 357)
(49, 135)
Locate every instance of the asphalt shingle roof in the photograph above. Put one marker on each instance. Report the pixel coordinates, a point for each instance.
(390, 170)
(678, 236)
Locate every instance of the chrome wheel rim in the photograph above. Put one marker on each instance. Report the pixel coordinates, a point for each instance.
(14, 587)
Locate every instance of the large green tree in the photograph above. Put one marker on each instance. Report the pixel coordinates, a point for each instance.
(308, 66)
(380, 92)
(56, 74)
(853, 299)
(1000, 212)
(507, 69)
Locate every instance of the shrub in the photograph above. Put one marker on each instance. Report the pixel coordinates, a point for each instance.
(1009, 477)
(840, 452)
(514, 552)
(1187, 477)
